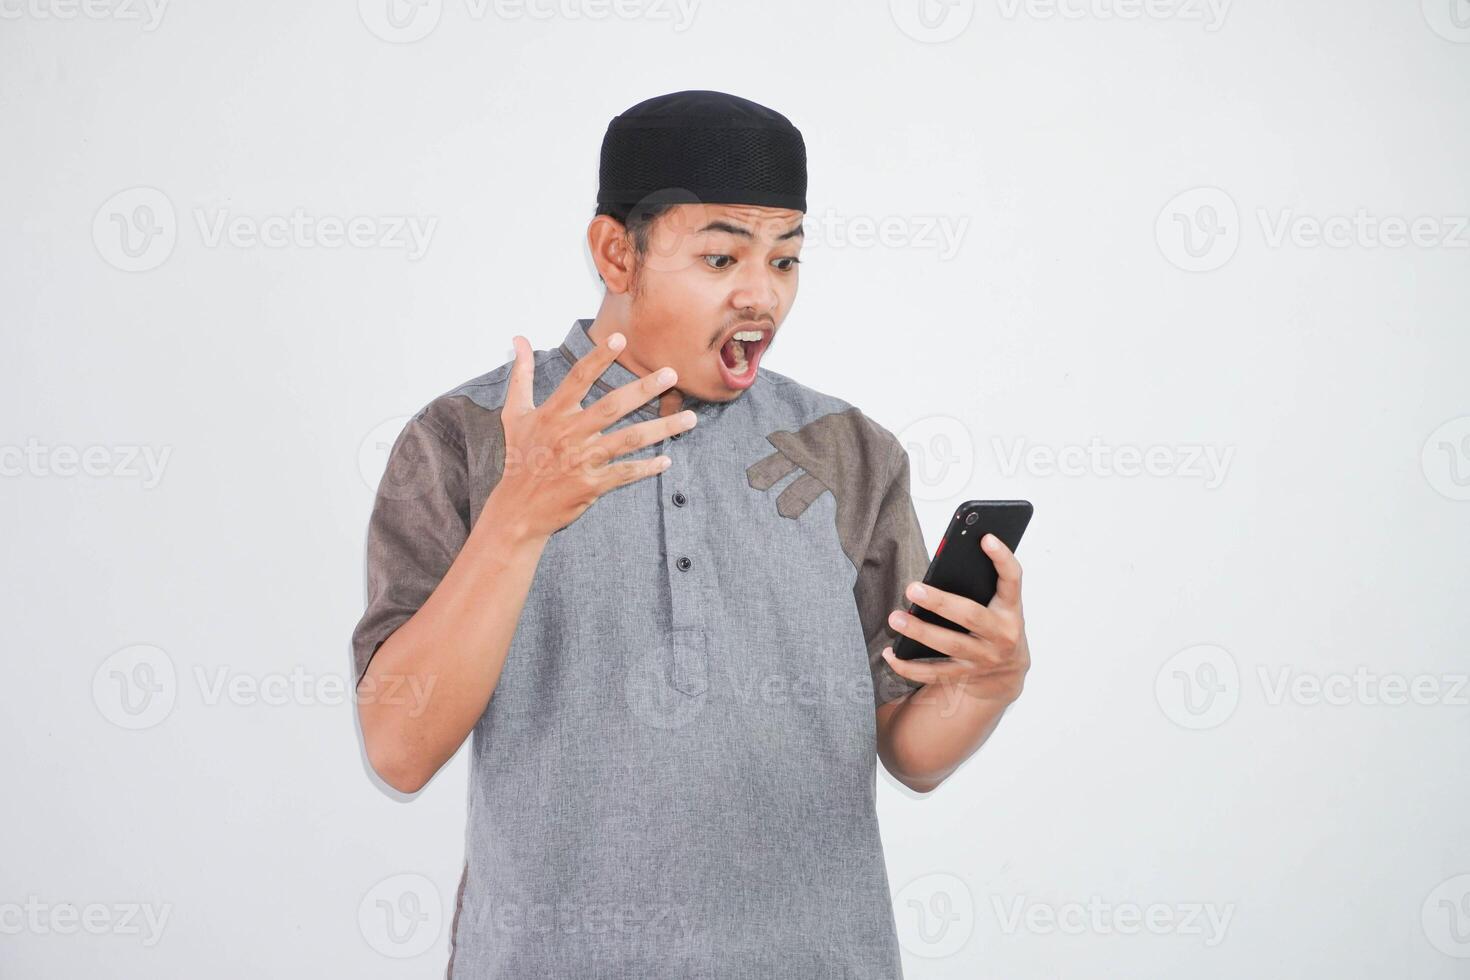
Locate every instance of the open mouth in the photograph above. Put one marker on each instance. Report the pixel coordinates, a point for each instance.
(740, 355)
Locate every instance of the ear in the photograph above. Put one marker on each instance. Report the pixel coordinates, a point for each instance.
(612, 252)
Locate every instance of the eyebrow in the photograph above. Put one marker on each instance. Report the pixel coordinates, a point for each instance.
(731, 229)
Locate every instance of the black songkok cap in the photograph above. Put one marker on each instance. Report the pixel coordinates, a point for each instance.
(706, 147)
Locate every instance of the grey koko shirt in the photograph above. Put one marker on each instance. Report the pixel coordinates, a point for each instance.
(675, 776)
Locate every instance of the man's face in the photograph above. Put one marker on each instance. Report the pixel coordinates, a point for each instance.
(710, 273)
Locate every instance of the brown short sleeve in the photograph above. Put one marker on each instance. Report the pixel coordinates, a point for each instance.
(895, 556)
(420, 520)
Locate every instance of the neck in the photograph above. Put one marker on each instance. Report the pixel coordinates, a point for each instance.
(610, 321)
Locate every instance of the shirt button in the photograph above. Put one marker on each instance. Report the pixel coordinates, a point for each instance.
(679, 499)
(683, 563)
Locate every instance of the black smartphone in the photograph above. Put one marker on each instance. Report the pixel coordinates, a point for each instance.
(961, 566)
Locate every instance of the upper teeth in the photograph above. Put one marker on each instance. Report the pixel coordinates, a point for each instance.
(747, 335)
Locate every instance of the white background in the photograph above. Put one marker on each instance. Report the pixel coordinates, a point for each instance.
(1153, 763)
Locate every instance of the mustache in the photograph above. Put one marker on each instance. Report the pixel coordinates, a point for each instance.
(743, 322)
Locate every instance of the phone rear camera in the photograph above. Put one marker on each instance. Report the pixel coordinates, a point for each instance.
(971, 517)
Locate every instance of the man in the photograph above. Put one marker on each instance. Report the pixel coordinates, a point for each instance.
(655, 580)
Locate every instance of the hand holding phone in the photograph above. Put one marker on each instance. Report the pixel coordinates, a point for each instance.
(962, 567)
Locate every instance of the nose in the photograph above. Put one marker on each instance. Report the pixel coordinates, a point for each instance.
(755, 290)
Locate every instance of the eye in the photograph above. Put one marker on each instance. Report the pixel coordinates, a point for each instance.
(791, 259)
(723, 265)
